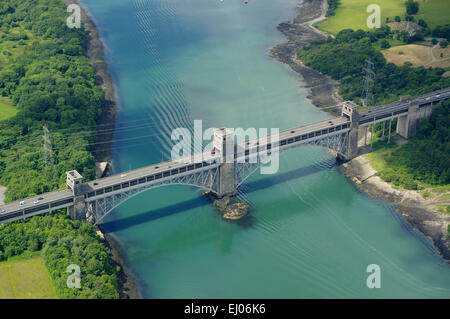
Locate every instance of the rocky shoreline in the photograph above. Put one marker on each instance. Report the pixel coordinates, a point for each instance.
(323, 93)
(410, 204)
(95, 52)
(299, 32)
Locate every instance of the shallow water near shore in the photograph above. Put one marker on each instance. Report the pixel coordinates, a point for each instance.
(310, 233)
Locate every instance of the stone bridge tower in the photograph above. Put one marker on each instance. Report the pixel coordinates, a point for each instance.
(74, 183)
(224, 145)
(350, 111)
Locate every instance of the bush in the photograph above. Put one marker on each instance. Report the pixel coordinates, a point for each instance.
(443, 43)
(397, 19)
(425, 157)
(410, 184)
(385, 44)
(332, 6)
(422, 23)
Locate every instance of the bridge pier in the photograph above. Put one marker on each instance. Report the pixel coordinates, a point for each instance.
(78, 210)
(407, 125)
(226, 177)
(350, 110)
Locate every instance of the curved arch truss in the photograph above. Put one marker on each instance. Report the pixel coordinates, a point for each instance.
(207, 179)
(337, 143)
(99, 208)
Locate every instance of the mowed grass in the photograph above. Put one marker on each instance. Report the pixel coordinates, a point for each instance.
(6, 109)
(413, 53)
(435, 12)
(25, 279)
(352, 14)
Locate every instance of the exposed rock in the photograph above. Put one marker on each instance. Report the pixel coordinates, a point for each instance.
(100, 234)
(323, 89)
(102, 169)
(236, 211)
(226, 206)
(222, 203)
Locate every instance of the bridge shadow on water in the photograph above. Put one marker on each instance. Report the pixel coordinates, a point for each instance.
(260, 184)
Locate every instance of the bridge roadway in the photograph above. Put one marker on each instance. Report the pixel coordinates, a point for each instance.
(157, 173)
(400, 108)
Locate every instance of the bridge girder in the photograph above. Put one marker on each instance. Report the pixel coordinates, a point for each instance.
(337, 143)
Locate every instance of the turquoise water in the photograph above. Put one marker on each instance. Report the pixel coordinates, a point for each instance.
(310, 233)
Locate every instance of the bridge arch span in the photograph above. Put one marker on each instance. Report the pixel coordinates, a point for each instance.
(335, 143)
(100, 208)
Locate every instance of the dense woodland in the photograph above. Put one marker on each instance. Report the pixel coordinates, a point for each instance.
(343, 59)
(64, 242)
(45, 73)
(49, 79)
(424, 158)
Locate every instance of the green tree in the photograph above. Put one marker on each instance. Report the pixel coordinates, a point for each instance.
(412, 7)
(385, 44)
(422, 23)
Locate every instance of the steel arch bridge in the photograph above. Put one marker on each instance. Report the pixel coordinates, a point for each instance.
(207, 179)
(219, 173)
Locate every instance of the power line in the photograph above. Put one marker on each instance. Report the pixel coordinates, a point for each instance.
(48, 158)
(369, 79)
(117, 126)
(82, 134)
(89, 144)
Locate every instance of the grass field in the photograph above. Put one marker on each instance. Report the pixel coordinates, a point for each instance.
(435, 12)
(444, 51)
(351, 14)
(6, 109)
(413, 53)
(25, 279)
